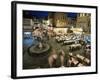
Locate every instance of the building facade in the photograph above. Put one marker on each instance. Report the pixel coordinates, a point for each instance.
(84, 22)
(58, 19)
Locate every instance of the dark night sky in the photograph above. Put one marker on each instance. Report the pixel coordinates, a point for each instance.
(43, 14)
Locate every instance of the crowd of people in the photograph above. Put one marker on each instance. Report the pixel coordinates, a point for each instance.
(42, 34)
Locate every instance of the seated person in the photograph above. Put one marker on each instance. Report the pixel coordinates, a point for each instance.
(62, 55)
(52, 58)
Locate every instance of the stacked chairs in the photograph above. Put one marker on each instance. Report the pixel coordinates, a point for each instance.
(68, 42)
(73, 61)
(83, 59)
(75, 47)
(68, 39)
